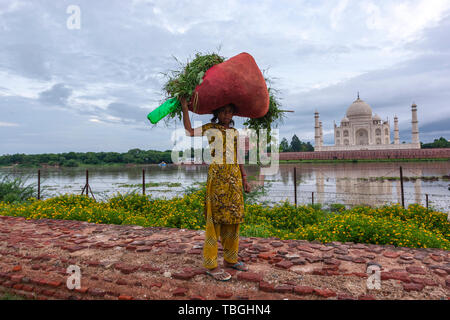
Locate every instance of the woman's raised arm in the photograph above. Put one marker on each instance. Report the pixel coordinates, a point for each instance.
(187, 122)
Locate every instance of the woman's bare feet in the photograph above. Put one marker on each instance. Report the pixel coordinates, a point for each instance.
(219, 274)
(238, 265)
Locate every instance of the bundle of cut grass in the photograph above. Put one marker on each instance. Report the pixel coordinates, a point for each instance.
(182, 83)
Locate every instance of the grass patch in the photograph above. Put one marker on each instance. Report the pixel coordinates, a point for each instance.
(10, 296)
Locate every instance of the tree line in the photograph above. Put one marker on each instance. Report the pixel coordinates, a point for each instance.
(437, 143)
(295, 145)
(74, 159)
(138, 156)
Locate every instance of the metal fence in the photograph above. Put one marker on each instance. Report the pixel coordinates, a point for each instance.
(369, 191)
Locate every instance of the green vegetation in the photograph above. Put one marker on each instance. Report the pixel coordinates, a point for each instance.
(182, 83)
(272, 118)
(75, 159)
(15, 190)
(298, 146)
(414, 227)
(152, 184)
(295, 146)
(437, 143)
(10, 296)
(137, 156)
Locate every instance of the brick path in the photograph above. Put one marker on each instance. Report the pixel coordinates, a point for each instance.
(131, 262)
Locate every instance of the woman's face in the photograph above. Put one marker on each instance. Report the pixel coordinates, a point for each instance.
(225, 115)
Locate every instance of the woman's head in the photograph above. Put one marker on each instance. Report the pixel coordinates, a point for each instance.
(224, 115)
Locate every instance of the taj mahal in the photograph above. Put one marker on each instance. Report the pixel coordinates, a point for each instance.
(361, 130)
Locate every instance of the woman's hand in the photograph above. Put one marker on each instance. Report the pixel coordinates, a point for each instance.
(247, 187)
(184, 104)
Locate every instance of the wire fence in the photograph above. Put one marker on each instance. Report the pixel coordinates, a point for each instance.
(327, 190)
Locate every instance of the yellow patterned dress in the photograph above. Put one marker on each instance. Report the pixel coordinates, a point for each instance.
(224, 203)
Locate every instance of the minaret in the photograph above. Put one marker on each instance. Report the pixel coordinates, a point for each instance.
(316, 132)
(321, 134)
(396, 137)
(414, 127)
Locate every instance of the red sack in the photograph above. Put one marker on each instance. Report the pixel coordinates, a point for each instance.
(238, 81)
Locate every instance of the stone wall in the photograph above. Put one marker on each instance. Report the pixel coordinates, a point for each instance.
(402, 146)
(368, 154)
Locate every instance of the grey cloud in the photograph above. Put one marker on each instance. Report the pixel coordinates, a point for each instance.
(390, 92)
(56, 95)
(313, 50)
(436, 127)
(120, 50)
(127, 112)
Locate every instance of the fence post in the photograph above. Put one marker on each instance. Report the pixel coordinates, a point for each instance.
(143, 182)
(87, 182)
(401, 187)
(312, 198)
(295, 186)
(426, 197)
(87, 186)
(39, 185)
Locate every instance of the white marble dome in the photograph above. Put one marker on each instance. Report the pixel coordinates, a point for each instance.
(359, 108)
(344, 119)
(377, 117)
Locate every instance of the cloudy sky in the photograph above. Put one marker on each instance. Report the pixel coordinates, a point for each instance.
(64, 88)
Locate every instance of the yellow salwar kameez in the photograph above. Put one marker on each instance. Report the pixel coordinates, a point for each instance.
(224, 203)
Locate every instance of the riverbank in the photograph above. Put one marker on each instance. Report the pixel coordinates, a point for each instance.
(133, 262)
(386, 154)
(363, 160)
(141, 165)
(84, 166)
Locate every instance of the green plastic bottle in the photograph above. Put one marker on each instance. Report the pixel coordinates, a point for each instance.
(163, 110)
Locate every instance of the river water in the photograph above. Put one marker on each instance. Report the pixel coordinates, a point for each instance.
(372, 183)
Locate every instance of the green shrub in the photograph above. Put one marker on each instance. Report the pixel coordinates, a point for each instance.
(14, 190)
(414, 227)
(337, 207)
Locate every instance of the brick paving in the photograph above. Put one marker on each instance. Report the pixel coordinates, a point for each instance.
(132, 262)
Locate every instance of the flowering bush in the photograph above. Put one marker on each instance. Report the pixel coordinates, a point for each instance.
(364, 227)
(414, 227)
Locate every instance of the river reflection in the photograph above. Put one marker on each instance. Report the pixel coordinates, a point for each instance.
(372, 183)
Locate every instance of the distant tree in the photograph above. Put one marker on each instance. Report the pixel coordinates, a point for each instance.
(296, 144)
(113, 157)
(70, 163)
(308, 147)
(92, 158)
(71, 156)
(284, 145)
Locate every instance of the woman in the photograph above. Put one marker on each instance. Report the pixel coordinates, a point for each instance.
(224, 206)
